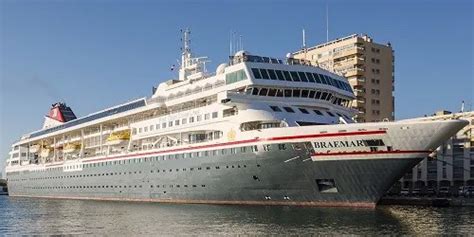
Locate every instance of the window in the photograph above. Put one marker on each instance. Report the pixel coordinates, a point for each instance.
(275, 108)
(316, 77)
(198, 118)
(272, 74)
(296, 93)
(184, 121)
(310, 77)
(263, 92)
(157, 126)
(145, 129)
(264, 73)
(272, 92)
(330, 114)
(279, 75)
(214, 114)
(304, 111)
(207, 116)
(235, 76)
(191, 120)
(170, 124)
(295, 76)
(288, 109)
(303, 77)
(151, 127)
(256, 73)
(287, 75)
(288, 92)
(281, 147)
(311, 94)
(304, 93)
(176, 122)
(163, 125)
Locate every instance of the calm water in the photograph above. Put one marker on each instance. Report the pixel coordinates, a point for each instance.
(45, 216)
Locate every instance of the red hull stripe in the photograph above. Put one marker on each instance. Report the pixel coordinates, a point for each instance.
(361, 133)
(352, 153)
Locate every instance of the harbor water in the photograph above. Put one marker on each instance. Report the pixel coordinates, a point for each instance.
(27, 216)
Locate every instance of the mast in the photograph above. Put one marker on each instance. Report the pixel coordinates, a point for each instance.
(185, 54)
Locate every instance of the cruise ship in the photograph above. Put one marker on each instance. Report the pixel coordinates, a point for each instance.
(259, 131)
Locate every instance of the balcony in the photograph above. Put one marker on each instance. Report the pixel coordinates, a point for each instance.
(356, 71)
(349, 51)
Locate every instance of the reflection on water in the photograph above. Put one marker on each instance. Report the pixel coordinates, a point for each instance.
(46, 216)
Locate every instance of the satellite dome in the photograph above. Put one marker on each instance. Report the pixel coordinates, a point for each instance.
(241, 53)
(221, 68)
(289, 55)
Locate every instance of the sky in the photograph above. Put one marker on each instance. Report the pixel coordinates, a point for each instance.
(93, 54)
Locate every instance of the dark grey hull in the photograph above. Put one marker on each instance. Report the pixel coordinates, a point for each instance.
(276, 177)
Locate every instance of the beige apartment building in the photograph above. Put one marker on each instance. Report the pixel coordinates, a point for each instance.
(368, 66)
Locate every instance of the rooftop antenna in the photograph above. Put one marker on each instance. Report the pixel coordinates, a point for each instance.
(304, 43)
(240, 42)
(230, 44)
(327, 22)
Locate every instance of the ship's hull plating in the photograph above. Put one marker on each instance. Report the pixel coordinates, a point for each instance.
(275, 177)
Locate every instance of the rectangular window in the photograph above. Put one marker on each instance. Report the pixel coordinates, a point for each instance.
(296, 93)
(198, 118)
(310, 77)
(303, 77)
(295, 76)
(256, 73)
(207, 116)
(287, 75)
(271, 92)
(151, 127)
(263, 92)
(288, 93)
(235, 76)
(157, 126)
(170, 124)
(304, 111)
(214, 114)
(288, 109)
(272, 74)
(191, 120)
(311, 94)
(275, 108)
(317, 112)
(176, 122)
(264, 73)
(163, 125)
(330, 114)
(280, 75)
(304, 93)
(184, 121)
(316, 78)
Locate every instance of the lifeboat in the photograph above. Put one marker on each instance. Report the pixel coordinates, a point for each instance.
(118, 137)
(71, 147)
(34, 148)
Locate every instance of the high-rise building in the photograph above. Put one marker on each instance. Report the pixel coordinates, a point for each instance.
(369, 66)
(451, 166)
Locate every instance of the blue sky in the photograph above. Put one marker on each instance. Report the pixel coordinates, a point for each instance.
(95, 54)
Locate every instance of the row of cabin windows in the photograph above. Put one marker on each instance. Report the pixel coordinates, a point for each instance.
(280, 146)
(299, 93)
(118, 186)
(305, 111)
(270, 74)
(227, 151)
(266, 148)
(176, 122)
